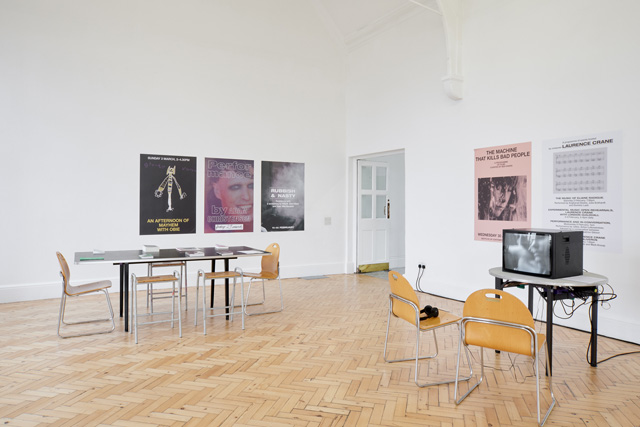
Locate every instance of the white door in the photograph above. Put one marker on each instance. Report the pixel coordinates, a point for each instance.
(373, 216)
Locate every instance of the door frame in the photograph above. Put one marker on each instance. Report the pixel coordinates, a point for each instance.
(352, 241)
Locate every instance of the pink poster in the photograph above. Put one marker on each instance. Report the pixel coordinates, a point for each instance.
(228, 196)
(502, 190)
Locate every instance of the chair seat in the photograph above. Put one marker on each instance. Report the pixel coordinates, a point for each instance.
(88, 287)
(444, 318)
(157, 279)
(262, 275)
(221, 275)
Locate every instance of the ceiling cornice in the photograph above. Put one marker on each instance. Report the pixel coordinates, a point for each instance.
(362, 35)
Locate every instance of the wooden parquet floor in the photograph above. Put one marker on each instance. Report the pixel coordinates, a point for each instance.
(318, 363)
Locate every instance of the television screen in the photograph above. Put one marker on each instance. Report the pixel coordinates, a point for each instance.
(527, 252)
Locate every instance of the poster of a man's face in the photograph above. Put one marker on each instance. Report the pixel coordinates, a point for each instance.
(228, 195)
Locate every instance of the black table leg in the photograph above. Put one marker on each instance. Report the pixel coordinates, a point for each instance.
(550, 329)
(126, 297)
(530, 302)
(226, 288)
(122, 275)
(594, 329)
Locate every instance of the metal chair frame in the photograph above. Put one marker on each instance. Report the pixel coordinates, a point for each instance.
(534, 350)
(75, 291)
(135, 281)
(229, 309)
(155, 294)
(417, 354)
(266, 274)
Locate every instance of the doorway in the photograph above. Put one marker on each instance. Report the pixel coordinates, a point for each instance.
(378, 196)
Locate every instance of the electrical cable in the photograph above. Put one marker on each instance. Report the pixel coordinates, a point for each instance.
(421, 269)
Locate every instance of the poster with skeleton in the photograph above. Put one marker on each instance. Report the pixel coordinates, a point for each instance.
(167, 194)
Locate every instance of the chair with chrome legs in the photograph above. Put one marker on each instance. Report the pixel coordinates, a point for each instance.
(270, 271)
(404, 304)
(74, 291)
(229, 308)
(145, 280)
(154, 294)
(498, 320)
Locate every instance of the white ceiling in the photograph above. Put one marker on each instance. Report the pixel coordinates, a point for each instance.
(354, 21)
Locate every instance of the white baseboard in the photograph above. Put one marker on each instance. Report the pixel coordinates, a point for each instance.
(48, 290)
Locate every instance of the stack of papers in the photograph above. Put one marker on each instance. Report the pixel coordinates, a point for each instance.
(150, 249)
(196, 252)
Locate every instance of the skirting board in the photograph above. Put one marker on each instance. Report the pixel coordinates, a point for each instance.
(37, 291)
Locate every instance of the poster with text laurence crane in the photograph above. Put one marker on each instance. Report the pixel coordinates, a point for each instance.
(282, 196)
(167, 194)
(502, 190)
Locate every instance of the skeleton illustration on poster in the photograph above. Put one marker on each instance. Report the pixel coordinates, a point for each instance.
(582, 183)
(228, 200)
(503, 190)
(167, 194)
(282, 196)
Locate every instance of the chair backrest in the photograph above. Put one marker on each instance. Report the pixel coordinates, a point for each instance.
(64, 270)
(401, 287)
(500, 306)
(270, 262)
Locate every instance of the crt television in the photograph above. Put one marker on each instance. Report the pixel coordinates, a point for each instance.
(545, 253)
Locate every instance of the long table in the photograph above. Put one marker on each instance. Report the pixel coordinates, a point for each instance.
(124, 258)
(585, 285)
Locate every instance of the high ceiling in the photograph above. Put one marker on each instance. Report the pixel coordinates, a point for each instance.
(354, 21)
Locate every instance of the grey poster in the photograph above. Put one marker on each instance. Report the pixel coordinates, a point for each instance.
(282, 196)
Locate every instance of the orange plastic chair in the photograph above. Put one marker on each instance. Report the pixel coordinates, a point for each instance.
(270, 271)
(74, 291)
(498, 320)
(404, 304)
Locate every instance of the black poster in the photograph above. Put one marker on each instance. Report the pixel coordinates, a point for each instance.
(167, 194)
(282, 196)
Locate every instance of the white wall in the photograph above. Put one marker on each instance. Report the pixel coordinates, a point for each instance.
(534, 71)
(87, 86)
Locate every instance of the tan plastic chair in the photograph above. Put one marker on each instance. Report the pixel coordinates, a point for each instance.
(270, 271)
(146, 280)
(73, 291)
(404, 304)
(154, 294)
(498, 320)
(229, 310)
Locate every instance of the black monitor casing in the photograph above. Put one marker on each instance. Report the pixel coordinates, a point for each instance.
(564, 256)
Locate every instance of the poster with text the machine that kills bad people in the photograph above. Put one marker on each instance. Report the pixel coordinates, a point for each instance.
(282, 196)
(502, 190)
(167, 194)
(582, 188)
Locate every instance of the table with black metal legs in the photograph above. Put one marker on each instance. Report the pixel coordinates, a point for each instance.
(552, 290)
(124, 258)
